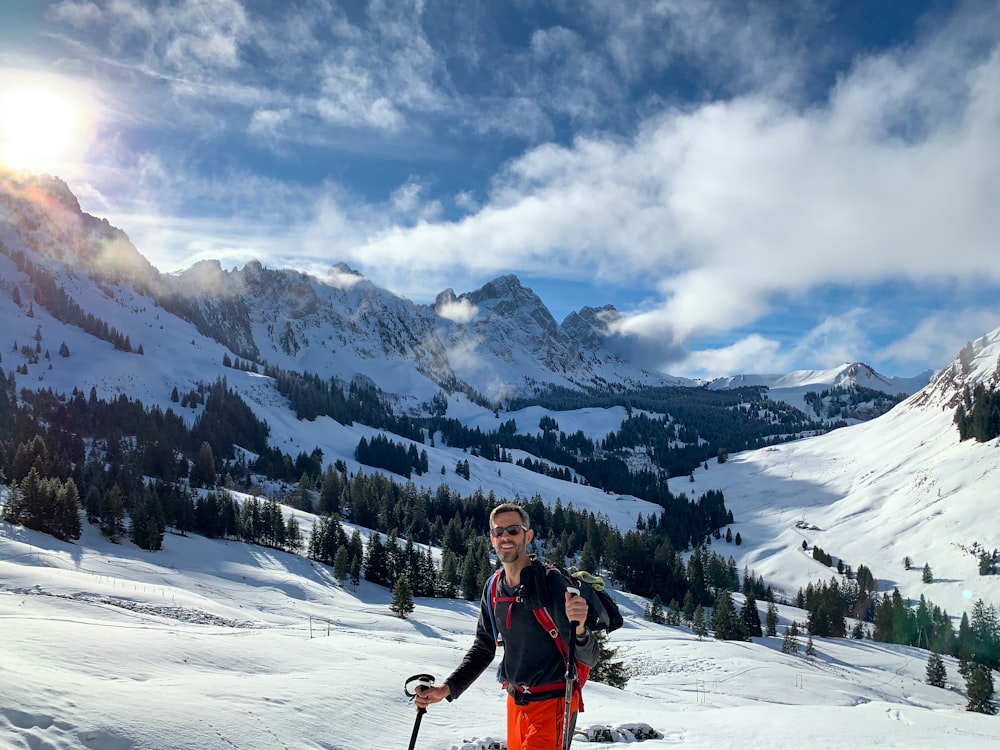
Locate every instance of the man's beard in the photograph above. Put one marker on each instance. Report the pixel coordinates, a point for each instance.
(510, 555)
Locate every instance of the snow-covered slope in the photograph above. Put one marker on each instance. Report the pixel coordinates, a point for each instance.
(899, 486)
(213, 644)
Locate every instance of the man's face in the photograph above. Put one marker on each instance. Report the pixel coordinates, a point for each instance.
(511, 548)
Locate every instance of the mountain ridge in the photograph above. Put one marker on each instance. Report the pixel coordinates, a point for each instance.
(499, 340)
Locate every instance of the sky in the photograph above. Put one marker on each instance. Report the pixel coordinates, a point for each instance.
(757, 187)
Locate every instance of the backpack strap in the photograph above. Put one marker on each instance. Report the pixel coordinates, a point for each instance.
(580, 671)
(545, 620)
(492, 591)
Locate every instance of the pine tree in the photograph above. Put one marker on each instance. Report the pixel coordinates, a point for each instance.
(689, 606)
(698, 622)
(113, 515)
(376, 561)
(772, 619)
(470, 578)
(790, 644)
(751, 617)
(936, 672)
(928, 576)
(340, 563)
(979, 686)
(203, 471)
(402, 598)
(607, 670)
(293, 535)
(13, 508)
(355, 572)
(656, 611)
(448, 578)
(674, 613)
(725, 622)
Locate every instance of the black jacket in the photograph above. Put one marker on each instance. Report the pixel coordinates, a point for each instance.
(530, 655)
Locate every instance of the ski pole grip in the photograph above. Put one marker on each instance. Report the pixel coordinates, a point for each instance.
(417, 681)
(574, 591)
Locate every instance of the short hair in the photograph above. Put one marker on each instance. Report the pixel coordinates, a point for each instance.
(511, 508)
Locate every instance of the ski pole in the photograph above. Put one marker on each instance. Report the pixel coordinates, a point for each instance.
(418, 681)
(567, 732)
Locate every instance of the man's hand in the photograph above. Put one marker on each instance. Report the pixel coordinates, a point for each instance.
(576, 610)
(426, 695)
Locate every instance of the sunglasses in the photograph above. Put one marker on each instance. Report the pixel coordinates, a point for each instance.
(514, 530)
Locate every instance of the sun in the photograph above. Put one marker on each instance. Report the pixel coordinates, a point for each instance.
(40, 130)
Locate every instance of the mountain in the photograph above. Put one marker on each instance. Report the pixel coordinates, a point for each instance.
(851, 393)
(86, 312)
(499, 341)
(901, 486)
(83, 310)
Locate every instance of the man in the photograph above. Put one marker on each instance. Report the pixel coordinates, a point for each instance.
(532, 668)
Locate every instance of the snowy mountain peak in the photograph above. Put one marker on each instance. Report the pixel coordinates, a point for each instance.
(41, 212)
(978, 362)
(505, 296)
(204, 276)
(849, 374)
(850, 392)
(590, 326)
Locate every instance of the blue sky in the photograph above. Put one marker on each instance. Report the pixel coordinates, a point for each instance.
(757, 187)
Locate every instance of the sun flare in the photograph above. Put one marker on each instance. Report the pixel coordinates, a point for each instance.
(40, 130)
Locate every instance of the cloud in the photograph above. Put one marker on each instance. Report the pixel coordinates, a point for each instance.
(742, 177)
(835, 340)
(342, 278)
(458, 311)
(939, 337)
(750, 354)
(269, 122)
(736, 204)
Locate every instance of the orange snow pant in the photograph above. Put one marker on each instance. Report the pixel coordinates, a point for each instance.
(538, 725)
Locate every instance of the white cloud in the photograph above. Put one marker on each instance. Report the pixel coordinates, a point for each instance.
(940, 336)
(835, 340)
(350, 97)
(269, 122)
(737, 203)
(458, 311)
(751, 354)
(341, 279)
(727, 206)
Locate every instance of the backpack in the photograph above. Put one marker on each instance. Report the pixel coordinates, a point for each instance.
(603, 614)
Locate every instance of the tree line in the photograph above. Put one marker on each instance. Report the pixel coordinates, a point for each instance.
(978, 416)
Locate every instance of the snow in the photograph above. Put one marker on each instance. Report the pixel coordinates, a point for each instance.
(209, 643)
(896, 487)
